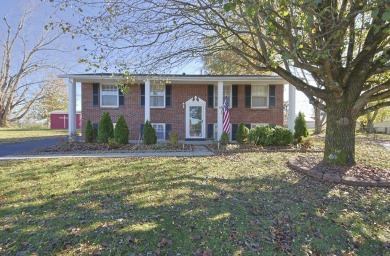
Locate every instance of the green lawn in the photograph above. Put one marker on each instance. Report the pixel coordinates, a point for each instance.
(12, 135)
(240, 204)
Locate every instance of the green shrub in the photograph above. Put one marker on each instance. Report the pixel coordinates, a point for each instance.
(121, 133)
(261, 135)
(89, 135)
(106, 128)
(112, 143)
(242, 134)
(282, 136)
(174, 139)
(224, 138)
(94, 134)
(300, 128)
(150, 136)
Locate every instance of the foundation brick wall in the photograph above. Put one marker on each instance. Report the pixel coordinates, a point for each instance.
(175, 115)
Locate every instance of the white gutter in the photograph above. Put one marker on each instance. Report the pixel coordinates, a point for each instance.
(179, 78)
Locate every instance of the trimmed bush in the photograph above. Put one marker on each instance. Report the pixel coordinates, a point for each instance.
(282, 136)
(270, 136)
(174, 139)
(300, 128)
(224, 138)
(121, 132)
(242, 134)
(89, 135)
(261, 135)
(150, 136)
(106, 128)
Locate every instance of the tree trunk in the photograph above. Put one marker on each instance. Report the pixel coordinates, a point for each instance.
(370, 121)
(340, 135)
(317, 121)
(3, 120)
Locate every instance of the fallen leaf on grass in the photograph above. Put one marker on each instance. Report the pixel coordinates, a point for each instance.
(164, 242)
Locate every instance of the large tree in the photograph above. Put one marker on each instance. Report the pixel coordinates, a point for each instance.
(23, 56)
(342, 44)
(53, 97)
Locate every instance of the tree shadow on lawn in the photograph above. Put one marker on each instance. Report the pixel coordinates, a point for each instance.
(181, 206)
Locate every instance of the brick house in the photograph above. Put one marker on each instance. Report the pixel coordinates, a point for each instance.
(189, 105)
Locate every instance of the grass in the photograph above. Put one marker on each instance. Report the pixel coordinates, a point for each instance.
(12, 135)
(240, 204)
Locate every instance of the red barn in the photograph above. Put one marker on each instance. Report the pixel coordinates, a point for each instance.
(59, 119)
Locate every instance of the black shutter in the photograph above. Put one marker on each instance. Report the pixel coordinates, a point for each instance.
(210, 96)
(272, 96)
(248, 126)
(121, 98)
(96, 96)
(142, 94)
(168, 95)
(234, 131)
(168, 129)
(247, 95)
(234, 96)
(142, 131)
(210, 131)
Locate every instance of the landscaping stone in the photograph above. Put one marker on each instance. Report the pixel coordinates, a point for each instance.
(316, 173)
(332, 177)
(358, 175)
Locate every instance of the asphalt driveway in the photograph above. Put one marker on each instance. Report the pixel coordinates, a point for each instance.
(24, 147)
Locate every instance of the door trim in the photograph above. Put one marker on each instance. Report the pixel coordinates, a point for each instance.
(195, 102)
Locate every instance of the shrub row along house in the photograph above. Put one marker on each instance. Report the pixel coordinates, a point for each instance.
(188, 105)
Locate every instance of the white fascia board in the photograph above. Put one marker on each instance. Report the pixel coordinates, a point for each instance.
(181, 79)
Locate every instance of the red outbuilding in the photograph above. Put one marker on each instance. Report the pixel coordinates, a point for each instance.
(59, 119)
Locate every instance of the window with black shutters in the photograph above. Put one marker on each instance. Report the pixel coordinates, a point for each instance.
(210, 96)
(168, 95)
(247, 95)
(272, 96)
(142, 87)
(95, 93)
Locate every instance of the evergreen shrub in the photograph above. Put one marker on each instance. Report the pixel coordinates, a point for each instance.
(224, 138)
(150, 136)
(242, 134)
(261, 135)
(106, 128)
(89, 135)
(282, 136)
(121, 132)
(300, 128)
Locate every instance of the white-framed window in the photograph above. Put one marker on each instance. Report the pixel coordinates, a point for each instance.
(259, 94)
(157, 96)
(216, 131)
(160, 130)
(227, 91)
(258, 124)
(109, 96)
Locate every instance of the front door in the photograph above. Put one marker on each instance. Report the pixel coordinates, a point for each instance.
(195, 118)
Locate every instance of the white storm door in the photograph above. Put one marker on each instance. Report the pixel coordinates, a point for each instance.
(195, 120)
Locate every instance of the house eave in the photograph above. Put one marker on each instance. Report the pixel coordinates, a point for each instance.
(176, 79)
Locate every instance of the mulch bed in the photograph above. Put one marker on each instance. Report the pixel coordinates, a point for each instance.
(237, 148)
(81, 147)
(359, 174)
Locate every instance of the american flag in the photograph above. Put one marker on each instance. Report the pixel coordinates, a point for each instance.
(226, 116)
